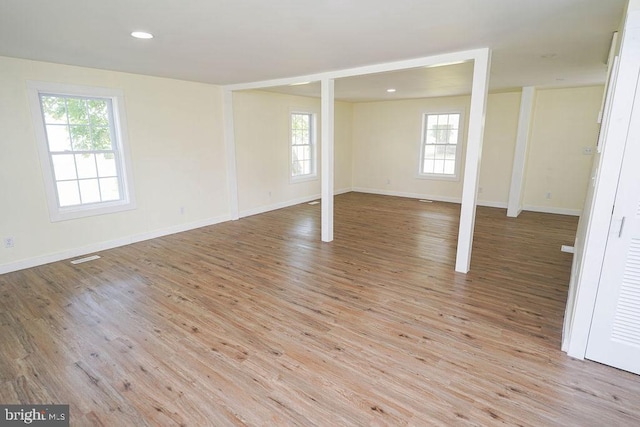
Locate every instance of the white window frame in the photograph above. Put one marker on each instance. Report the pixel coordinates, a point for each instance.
(314, 146)
(119, 129)
(459, 145)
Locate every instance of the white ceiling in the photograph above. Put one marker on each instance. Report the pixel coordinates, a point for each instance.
(534, 42)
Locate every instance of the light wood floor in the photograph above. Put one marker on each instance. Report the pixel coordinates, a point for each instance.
(257, 322)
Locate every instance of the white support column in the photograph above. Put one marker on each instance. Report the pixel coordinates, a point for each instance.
(520, 156)
(477, 113)
(327, 93)
(230, 147)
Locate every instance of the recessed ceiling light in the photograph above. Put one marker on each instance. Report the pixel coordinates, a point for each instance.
(299, 84)
(391, 90)
(141, 35)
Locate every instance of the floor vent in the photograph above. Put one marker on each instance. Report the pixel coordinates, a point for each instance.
(425, 201)
(85, 259)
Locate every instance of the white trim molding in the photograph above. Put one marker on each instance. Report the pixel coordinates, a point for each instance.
(110, 244)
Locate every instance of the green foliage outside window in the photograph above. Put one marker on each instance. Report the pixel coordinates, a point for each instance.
(87, 120)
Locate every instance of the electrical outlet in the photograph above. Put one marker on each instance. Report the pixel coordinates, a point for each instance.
(587, 151)
(479, 190)
(9, 242)
(547, 196)
(181, 210)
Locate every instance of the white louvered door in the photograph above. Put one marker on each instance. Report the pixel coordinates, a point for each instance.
(614, 338)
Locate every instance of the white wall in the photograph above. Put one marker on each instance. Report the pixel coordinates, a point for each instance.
(386, 147)
(564, 124)
(386, 144)
(261, 126)
(177, 154)
(501, 128)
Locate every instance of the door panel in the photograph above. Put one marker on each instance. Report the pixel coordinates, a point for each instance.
(614, 338)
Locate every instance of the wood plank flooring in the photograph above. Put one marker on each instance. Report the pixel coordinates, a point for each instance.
(256, 322)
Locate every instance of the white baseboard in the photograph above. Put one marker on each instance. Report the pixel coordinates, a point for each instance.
(101, 246)
(552, 210)
(286, 204)
(408, 195)
(488, 203)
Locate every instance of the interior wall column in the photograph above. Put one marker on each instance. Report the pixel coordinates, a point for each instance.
(230, 148)
(327, 178)
(520, 156)
(477, 114)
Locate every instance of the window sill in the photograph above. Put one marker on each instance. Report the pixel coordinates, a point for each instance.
(75, 212)
(436, 177)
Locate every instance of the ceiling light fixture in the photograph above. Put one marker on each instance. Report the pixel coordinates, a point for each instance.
(391, 90)
(141, 35)
(299, 84)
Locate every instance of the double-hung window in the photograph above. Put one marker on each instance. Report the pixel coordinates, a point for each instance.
(303, 145)
(80, 136)
(440, 146)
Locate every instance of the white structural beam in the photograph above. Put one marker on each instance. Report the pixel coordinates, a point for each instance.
(230, 148)
(520, 156)
(327, 178)
(447, 58)
(477, 114)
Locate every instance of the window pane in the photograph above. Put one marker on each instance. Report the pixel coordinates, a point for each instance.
(98, 112)
(63, 166)
(438, 166)
(68, 194)
(453, 137)
(300, 153)
(296, 168)
(77, 110)
(450, 152)
(106, 164)
(81, 138)
(89, 190)
(427, 167)
(306, 167)
(296, 137)
(429, 151)
(101, 138)
(440, 151)
(86, 165)
(302, 162)
(307, 152)
(454, 121)
(432, 121)
(430, 136)
(109, 189)
(54, 110)
(300, 121)
(58, 138)
(449, 167)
